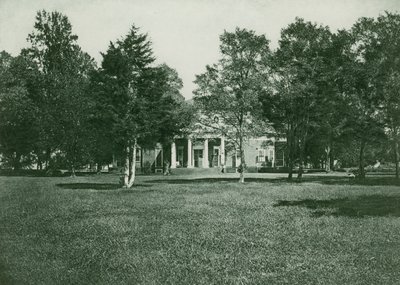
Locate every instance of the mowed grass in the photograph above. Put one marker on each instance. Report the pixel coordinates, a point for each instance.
(182, 230)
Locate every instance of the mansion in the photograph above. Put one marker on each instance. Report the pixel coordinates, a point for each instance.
(202, 148)
(212, 152)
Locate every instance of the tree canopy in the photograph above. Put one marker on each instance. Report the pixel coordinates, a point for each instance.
(229, 89)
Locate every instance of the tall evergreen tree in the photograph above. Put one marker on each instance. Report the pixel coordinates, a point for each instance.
(134, 99)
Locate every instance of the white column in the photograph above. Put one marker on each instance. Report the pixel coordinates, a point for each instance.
(189, 154)
(222, 151)
(173, 155)
(205, 154)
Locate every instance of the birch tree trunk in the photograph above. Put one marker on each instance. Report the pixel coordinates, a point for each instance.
(126, 168)
(132, 169)
(130, 165)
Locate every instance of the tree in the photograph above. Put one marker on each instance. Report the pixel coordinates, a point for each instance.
(361, 89)
(64, 70)
(135, 99)
(387, 77)
(18, 124)
(392, 114)
(228, 91)
(330, 120)
(173, 81)
(101, 120)
(298, 103)
(5, 72)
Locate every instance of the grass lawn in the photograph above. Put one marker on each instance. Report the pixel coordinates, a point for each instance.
(188, 230)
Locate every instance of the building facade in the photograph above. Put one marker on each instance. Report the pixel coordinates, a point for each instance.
(212, 152)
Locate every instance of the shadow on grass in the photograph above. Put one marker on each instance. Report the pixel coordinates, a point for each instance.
(216, 180)
(361, 206)
(44, 173)
(98, 186)
(369, 181)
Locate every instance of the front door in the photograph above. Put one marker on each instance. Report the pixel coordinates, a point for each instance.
(179, 160)
(198, 157)
(215, 157)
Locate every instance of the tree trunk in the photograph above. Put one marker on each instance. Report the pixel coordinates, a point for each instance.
(301, 161)
(73, 171)
(302, 148)
(126, 168)
(98, 167)
(328, 159)
(242, 160)
(331, 160)
(290, 175)
(301, 169)
(396, 158)
(290, 149)
(361, 160)
(130, 167)
(132, 170)
(17, 161)
(39, 163)
(47, 159)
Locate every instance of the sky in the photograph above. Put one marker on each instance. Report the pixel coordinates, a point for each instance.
(184, 33)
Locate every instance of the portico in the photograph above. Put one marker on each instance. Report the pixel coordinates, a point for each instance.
(198, 152)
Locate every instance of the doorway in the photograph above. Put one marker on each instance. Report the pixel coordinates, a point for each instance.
(198, 157)
(215, 157)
